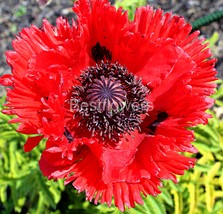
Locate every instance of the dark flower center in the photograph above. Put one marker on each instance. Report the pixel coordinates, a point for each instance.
(109, 100)
(107, 93)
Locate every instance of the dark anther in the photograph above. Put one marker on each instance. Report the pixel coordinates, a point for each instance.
(110, 100)
(160, 118)
(100, 53)
(68, 135)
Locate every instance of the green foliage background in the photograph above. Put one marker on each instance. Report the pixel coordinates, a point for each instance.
(23, 189)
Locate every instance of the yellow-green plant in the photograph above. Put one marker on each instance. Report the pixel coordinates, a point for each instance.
(130, 6)
(22, 186)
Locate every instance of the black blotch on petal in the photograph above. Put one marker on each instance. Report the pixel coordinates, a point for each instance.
(160, 118)
(68, 135)
(100, 53)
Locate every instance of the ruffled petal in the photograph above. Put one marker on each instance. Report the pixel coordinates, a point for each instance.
(85, 169)
(45, 64)
(156, 25)
(103, 27)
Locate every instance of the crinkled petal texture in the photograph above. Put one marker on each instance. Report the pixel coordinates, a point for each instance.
(174, 64)
(44, 67)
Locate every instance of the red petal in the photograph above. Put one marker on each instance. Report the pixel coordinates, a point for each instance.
(103, 22)
(53, 58)
(6, 80)
(115, 161)
(32, 142)
(26, 129)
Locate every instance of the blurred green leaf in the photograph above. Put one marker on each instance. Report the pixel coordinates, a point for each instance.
(21, 11)
(213, 39)
(130, 6)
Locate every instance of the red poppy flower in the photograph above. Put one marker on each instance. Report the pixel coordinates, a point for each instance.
(114, 98)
